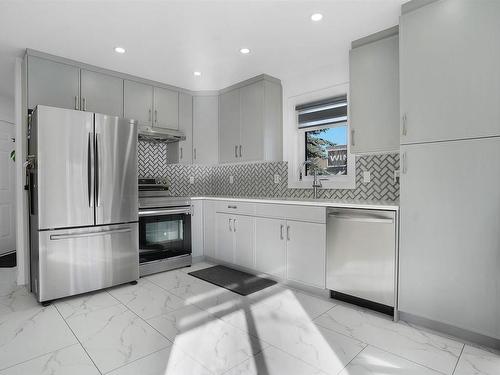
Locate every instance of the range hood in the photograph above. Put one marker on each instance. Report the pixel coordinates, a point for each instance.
(161, 135)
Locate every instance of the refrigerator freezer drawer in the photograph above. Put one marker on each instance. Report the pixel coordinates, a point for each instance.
(74, 261)
(361, 254)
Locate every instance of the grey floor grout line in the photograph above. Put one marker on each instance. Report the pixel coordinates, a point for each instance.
(38, 356)
(353, 358)
(161, 334)
(458, 360)
(77, 339)
(135, 360)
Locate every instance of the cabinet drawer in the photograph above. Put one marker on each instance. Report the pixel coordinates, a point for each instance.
(292, 212)
(235, 207)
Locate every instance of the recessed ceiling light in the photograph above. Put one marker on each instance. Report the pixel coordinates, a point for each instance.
(316, 17)
(119, 50)
(245, 51)
(197, 74)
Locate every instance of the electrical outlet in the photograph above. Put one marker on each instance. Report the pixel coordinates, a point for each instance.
(191, 180)
(231, 179)
(396, 176)
(277, 178)
(366, 176)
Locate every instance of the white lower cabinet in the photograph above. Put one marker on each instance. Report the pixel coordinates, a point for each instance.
(270, 246)
(244, 240)
(306, 246)
(209, 228)
(235, 239)
(197, 228)
(287, 249)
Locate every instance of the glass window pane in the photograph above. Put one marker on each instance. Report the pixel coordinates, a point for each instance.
(326, 150)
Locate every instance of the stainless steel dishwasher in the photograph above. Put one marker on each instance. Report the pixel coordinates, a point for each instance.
(362, 257)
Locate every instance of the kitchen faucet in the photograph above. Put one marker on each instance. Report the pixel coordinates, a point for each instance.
(316, 181)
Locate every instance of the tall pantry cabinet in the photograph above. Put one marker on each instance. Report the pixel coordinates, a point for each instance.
(450, 164)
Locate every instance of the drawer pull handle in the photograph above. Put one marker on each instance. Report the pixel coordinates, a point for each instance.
(235, 207)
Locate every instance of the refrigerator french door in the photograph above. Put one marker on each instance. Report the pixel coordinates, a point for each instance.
(83, 202)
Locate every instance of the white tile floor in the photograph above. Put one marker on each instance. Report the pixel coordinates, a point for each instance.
(175, 324)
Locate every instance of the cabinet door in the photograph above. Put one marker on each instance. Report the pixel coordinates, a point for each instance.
(244, 236)
(252, 122)
(205, 129)
(186, 126)
(306, 244)
(449, 241)
(270, 246)
(374, 96)
(53, 84)
(229, 126)
(209, 228)
(166, 108)
(197, 227)
(224, 242)
(101, 93)
(449, 71)
(138, 102)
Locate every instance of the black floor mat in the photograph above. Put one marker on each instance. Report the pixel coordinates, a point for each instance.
(8, 261)
(236, 281)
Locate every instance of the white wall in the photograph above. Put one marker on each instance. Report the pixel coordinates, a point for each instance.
(7, 109)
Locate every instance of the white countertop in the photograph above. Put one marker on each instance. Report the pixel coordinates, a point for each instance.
(340, 203)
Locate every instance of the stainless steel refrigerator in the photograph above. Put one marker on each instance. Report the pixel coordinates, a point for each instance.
(83, 202)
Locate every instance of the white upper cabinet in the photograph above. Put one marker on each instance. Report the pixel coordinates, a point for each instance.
(251, 122)
(186, 126)
(53, 84)
(138, 102)
(166, 108)
(101, 93)
(205, 129)
(229, 125)
(374, 93)
(450, 71)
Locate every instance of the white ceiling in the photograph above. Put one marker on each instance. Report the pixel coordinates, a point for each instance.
(167, 40)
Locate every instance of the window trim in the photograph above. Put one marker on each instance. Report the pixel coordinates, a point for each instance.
(294, 142)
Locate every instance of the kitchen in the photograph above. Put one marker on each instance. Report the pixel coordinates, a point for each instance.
(242, 201)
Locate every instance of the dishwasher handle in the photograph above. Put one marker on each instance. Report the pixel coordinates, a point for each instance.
(361, 219)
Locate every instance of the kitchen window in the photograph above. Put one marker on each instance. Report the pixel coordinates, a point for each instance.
(324, 129)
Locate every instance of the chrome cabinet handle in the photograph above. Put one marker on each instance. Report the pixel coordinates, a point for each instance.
(76, 102)
(281, 231)
(235, 151)
(55, 237)
(149, 115)
(288, 232)
(234, 225)
(352, 137)
(230, 228)
(84, 104)
(240, 151)
(181, 153)
(156, 116)
(403, 162)
(232, 206)
(404, 125)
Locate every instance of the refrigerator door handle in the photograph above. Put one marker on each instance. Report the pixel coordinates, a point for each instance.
(90, 170)
(65, 236)
(97, 169)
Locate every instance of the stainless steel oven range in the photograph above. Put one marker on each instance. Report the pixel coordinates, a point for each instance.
(164, 228)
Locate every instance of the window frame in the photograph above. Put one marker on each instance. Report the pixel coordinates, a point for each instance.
(295, 148)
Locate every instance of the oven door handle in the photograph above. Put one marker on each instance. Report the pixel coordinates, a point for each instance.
(174, 211)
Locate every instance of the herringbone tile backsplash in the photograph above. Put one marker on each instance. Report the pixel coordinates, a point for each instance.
(257, 179)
